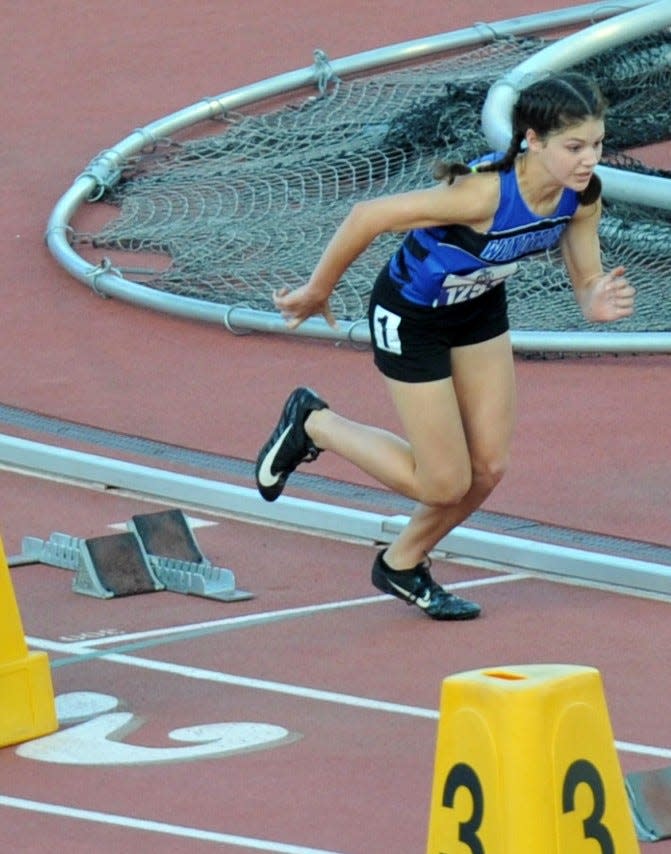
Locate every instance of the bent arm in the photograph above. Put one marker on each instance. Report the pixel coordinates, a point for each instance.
(602, 297)
(438, 205)
(581, 249)
(471, 201)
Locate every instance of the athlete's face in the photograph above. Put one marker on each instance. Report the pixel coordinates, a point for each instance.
(570, 155)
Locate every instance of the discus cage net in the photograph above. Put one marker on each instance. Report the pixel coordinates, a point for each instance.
(229, 216)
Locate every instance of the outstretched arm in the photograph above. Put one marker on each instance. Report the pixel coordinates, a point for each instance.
(470, 201)
(602, 297)
(355, 233)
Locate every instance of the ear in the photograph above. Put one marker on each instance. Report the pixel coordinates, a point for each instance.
(534, 142)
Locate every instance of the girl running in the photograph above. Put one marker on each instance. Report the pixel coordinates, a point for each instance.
(439, 325)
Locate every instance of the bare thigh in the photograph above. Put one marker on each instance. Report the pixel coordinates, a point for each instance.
(484, 384)
(460, 424)
(432, 423)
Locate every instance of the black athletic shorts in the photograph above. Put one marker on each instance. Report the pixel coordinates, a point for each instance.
(412, 343)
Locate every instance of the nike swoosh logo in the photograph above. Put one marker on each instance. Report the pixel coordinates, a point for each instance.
(265, 474)
(423, 601)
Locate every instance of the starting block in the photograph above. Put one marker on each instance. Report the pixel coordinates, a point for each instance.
(167, 533)
(28, 708)
(158, 552)
(177, 559)
(526, 761)
(115, 565)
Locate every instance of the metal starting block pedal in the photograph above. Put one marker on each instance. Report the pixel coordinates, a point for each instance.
(107, 566)
(177, 560)
(159, 552)
(115, 565)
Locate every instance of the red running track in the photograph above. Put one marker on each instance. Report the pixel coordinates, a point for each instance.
(589, 455)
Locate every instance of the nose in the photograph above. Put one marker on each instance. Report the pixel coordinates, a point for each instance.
(591, 157)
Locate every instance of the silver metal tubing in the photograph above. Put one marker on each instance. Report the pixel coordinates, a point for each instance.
(331, 520)
(105, 168)
(496, 114)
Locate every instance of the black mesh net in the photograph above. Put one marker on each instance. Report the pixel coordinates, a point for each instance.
(229, 217)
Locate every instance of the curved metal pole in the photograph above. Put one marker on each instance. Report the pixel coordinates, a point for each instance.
(104, 170)
(496, 114)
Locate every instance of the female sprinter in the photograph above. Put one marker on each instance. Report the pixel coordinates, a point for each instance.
(439, 325)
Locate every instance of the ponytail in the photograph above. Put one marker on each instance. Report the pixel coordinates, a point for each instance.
(448, 171)
(444, 170)
(592, 191)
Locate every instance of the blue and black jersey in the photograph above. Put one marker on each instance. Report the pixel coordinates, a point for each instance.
(453, 263)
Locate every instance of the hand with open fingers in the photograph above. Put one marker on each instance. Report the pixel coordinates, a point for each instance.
(297, 305)
(610, 297)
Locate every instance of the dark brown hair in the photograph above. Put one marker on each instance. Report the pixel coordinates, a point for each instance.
(549, 105)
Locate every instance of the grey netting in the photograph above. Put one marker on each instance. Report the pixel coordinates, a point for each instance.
(250, 209)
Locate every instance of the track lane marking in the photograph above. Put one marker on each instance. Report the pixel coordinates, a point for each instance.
(303, 692)
(194, 629)
(131, 823)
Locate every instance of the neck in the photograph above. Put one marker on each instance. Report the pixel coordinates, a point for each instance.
(539, 190)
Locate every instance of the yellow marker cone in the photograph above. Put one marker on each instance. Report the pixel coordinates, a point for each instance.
(526, 762)
(27, 705)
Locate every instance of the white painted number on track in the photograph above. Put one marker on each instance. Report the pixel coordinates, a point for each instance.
(92, 742)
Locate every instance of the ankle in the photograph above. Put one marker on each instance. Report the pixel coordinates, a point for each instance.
(397, 565)
(314, 426)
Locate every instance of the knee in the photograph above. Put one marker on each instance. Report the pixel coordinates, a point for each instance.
(445, 489)
(488, 473)
(450, 488)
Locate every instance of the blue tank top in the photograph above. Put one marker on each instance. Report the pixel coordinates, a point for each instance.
(444, 265)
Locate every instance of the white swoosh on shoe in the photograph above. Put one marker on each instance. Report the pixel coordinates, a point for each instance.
(265, 474)
(422, 601)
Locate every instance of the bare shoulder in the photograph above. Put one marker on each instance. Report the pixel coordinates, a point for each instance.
(586, 214)
(472, 199)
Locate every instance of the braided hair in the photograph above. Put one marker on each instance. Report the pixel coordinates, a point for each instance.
(549, 105)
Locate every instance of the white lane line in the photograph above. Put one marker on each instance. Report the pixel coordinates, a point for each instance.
(286, 613)
(85, 647)
(643, 749)
(200, 673)
(290, 690)
(158, 827)
(193, 521)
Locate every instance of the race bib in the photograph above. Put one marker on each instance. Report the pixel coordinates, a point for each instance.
(456, 289)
